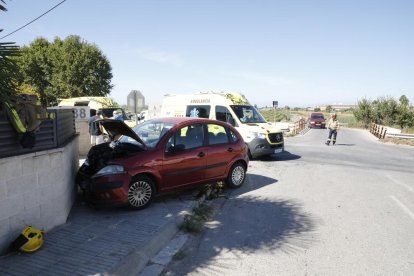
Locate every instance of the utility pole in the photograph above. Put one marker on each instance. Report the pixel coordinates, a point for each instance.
(135, 107)
(275, 104)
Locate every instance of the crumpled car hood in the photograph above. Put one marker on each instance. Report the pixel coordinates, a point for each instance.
(116, 127)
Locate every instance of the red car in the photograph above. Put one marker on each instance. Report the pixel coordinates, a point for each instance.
(159, 156)
(316, 120)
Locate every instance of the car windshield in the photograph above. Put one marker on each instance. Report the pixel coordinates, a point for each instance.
(248, 114)
(317, 116)
(149, 132)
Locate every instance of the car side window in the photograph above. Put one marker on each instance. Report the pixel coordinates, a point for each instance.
(233, 136)
(224, 115)
(190, 137)
(198, 111)
(217, 134)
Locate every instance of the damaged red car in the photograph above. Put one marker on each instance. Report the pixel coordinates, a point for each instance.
(160, 156)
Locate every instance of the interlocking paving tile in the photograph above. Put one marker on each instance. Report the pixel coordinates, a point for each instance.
(94, 241)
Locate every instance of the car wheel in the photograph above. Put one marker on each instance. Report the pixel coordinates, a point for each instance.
(140, 192)
(236, 176)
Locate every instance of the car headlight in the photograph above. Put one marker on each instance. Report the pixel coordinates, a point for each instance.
(312, 122)
(111, 169)
(257, 135)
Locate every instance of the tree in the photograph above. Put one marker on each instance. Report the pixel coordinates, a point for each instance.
(329, 108)
(8, 68)
(385, 111)
(404, 101)
(405, 117)
(64, 69)
(364, 112)
(36, 67)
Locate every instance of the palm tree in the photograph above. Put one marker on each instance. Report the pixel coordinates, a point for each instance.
(8, 70)
(8, 67)
(2, 8)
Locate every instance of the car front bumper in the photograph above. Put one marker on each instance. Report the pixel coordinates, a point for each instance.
(317, 125)
(260, 147)
(108, 190)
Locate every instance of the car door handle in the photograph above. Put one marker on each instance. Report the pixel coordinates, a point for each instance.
(201, 154)
(230, 149)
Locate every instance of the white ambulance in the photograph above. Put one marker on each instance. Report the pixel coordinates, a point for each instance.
(260, 136)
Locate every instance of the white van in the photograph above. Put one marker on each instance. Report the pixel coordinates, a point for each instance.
(260, 136)
(104, 104)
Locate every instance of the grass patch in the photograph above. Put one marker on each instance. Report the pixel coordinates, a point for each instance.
(349, 120)
(178, 256)
(272, 115)
(408, 142)
(408, 130)
(194, 223)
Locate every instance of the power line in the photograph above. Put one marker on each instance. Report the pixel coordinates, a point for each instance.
(34, 19)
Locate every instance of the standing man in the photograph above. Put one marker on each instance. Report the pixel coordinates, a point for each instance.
(333, 126)
(95, 129)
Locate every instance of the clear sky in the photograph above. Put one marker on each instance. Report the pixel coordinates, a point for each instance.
(301, 53)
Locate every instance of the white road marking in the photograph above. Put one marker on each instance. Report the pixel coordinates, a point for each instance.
(401, 184)
(405, 208)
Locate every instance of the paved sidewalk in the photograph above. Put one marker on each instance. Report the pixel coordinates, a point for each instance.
(100, 242)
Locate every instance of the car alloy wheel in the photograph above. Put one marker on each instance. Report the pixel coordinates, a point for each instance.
(236, 176)
(140, 192)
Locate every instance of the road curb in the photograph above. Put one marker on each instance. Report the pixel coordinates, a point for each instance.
(138, 259)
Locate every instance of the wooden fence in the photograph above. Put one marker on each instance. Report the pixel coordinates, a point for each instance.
(378, 130)
(298, 126)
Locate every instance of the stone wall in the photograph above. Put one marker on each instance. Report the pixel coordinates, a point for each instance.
(37, 189)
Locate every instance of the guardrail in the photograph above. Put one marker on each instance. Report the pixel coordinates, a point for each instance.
(400, 135)
(383, 131)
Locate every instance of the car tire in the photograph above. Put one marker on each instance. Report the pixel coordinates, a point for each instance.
(141, 192)
(236, 176)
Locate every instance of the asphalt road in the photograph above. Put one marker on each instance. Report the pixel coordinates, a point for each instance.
(314, 210)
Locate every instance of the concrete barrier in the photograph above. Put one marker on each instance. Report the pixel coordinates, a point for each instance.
(37, 189)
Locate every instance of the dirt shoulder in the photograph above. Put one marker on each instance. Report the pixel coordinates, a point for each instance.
(409, 142)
